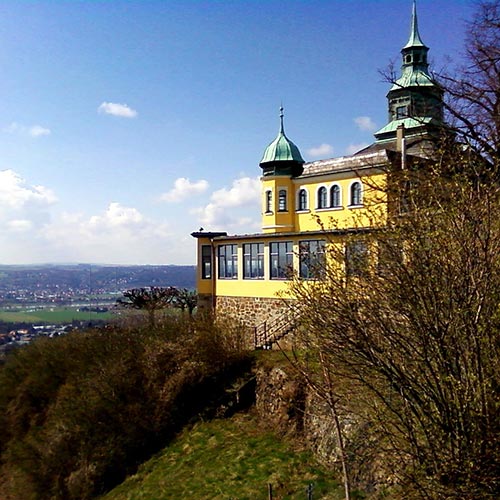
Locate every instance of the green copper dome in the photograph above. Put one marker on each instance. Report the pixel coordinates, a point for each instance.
(282, 156)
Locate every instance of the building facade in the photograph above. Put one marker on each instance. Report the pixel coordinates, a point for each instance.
(307, 207)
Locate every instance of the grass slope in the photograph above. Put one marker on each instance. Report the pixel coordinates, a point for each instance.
(227, 459)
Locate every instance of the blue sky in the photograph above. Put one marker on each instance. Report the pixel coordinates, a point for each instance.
(126, 125)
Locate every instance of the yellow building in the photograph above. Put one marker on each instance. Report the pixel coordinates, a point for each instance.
(307, 206)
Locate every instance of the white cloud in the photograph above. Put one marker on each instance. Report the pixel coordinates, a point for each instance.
(354, 148)
(365, 123)
(32, 131)
(24, 211)
(32, 231)
(38, 131)
(321, 150)
(15, 194)
(229, 208)
(244, 191)
(115, 109)
(184, 188)
(119, 234)
(20, 225)
(116, 216)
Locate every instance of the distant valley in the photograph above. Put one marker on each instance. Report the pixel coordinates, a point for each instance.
(62, 293)
(65, 284)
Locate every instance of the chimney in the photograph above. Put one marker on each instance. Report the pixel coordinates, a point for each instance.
(401, 144)
(400, 134)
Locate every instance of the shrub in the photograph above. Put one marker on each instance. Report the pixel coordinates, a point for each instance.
(80, 412)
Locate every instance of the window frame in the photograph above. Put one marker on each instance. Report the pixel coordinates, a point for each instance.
(311, 260)
(302, 201)
(339, 191)
(280, 252)
(401, 112)
(268, 201)
(322, 199)
(206, 262)
(282, 200)
(225, 271)
(356, 258)
(358, 197)
(253, 253)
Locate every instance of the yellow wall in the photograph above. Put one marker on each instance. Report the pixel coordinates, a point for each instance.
(266, 287)
(254, 287)
(251, 288)
(203, 286)
(277, 221)
(372, 212)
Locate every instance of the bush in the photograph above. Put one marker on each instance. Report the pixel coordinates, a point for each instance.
(80, 412)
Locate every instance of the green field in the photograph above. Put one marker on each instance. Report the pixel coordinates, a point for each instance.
(51, 315)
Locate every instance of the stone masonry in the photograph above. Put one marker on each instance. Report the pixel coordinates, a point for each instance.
(250, 311)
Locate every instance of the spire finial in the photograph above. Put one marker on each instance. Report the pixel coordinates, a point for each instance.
(282, 128)
(414, 20)
(414, 39)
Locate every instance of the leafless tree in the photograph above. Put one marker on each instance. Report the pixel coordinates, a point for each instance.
(150, 300)
(406, 319)
(186, 299)
(473, 91)
(414, 336)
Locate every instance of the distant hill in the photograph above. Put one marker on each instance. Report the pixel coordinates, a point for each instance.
(92, 278)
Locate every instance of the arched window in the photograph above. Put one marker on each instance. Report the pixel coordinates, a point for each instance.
(322, 197)
(282, 200)
(356, 198)
(335, 196)
(302, 199)
(269, 202)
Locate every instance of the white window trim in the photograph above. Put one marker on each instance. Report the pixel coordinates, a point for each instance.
(327, 197)
(297, 201)
(341, 196)
(351, 205)
(287, 200)
(266, 211)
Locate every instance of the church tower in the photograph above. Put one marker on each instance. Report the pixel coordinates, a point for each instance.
(415, 100)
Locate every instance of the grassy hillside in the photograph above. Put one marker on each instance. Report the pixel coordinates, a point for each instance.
(227, 459)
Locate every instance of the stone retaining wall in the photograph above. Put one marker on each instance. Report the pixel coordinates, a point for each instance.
(285, 404)
(250, 311)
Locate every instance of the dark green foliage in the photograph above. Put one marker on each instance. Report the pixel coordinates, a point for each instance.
(79, 412)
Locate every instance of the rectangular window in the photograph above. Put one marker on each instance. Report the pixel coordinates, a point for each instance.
(401, 112)
(282, 200)
(228, 261)
(281, 258)
(356, 258)
(253, 260)
(312, 258)
(206, 262)
(269, 202)
(390, 257)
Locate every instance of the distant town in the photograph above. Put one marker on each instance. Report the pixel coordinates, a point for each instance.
(51, 300)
